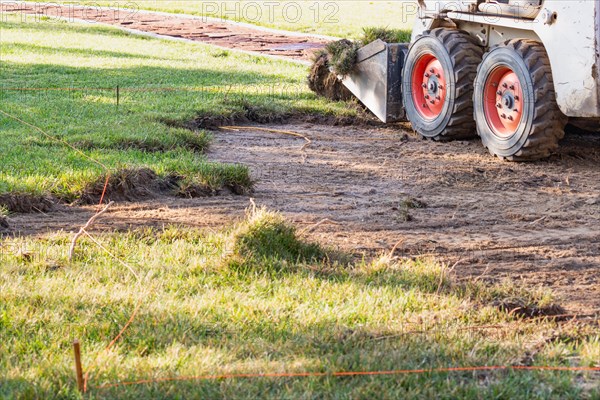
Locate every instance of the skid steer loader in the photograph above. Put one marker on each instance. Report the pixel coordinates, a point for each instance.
(512, 71)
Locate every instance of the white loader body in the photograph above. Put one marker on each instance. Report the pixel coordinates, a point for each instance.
(568, 29)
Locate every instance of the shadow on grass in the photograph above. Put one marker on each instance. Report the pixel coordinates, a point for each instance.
(137, 76)
(248, 337)
(276, 302)
(21, 388)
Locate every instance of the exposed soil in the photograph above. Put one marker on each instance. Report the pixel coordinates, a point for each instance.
(325, 83)
(126, 185)
(224, 34)
(122, 185)
(536, 223)
(26, 203)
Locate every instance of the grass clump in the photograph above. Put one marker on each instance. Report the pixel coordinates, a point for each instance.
(207, 179)
(326, 83)
(266, 240)
(405, 206)
(215, 177)
(372, 33)
(342, 56)
(342, 53)
(515, 300)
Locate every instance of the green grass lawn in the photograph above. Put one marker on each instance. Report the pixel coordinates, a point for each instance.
(148, 128)
(253, 298)
(257, 298)
(344, 18)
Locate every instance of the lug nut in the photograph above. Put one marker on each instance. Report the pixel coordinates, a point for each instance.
(424, 86)
(438, 75)
(438, 98)
(517, 98)
(510, 118)
(499, 93)
(432, 101)
(503, 116)
(427, 75)
(440, 87)
(512, 87)
(499, 105)
(426, 97)
(432, 70)
(504, 85)
(516, 110)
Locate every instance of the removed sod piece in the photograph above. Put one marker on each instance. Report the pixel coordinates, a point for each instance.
(339, 60)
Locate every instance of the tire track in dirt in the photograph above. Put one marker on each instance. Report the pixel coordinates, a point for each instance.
(538, 223)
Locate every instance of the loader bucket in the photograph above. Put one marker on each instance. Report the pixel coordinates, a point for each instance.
(377, 79)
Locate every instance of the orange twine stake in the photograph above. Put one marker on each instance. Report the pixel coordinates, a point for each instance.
(104, 191)
(129, 322)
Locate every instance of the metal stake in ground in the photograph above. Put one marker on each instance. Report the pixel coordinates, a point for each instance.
(78, 369)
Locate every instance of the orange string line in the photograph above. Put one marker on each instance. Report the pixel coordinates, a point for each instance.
(86, 377)
(104, 190)
(351, 373)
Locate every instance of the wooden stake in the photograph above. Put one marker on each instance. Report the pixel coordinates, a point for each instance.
(78, 369)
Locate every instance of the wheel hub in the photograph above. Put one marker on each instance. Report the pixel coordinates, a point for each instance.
(508, 100)
(503, 102)
(433, 86)
(429, 86)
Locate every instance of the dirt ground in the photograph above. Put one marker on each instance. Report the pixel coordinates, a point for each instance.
(382, 187)
(229, 35)
(537, 223)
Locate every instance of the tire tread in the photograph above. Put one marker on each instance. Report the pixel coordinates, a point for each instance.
(466, 55)
(548, 121)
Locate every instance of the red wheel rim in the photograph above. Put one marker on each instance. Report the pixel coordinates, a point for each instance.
(429, 86)
(503, 102)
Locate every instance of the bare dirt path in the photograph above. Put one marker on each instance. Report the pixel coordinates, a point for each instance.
(225, 34)
(535, 223)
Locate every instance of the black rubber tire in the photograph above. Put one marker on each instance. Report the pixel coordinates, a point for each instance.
(459, 55)
(542, 123)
